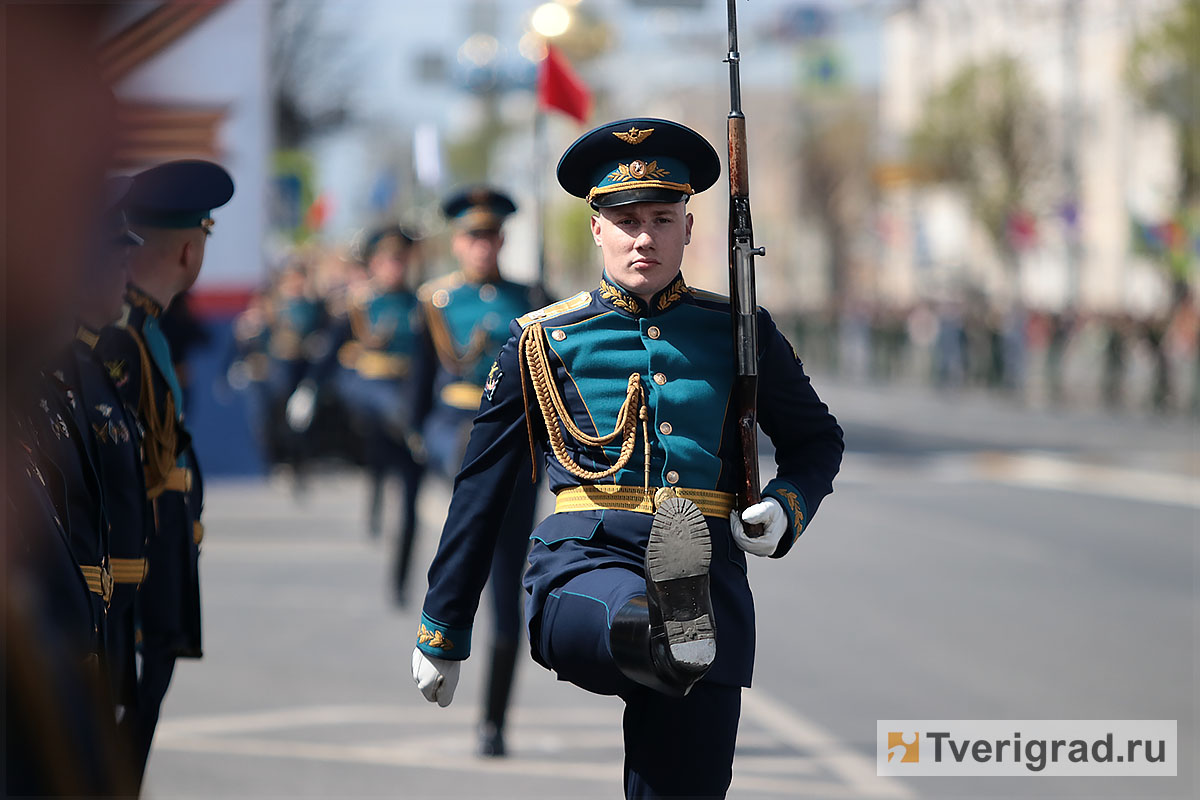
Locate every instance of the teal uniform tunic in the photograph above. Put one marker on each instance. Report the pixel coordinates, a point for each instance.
(374, 347)
(680, 344)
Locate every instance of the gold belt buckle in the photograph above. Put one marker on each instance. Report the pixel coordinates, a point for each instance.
(663, 494)
(106, 584)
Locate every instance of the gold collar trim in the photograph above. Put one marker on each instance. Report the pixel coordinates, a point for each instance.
(621, 298)
(672, 294)
(143, 301)
(663, 300)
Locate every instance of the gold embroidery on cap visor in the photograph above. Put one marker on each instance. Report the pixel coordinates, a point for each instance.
(596, 191)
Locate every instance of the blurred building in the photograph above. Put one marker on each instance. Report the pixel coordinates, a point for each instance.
(1113, 161)
(192, 80)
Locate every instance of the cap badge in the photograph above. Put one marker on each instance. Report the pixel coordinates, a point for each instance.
(634, 135)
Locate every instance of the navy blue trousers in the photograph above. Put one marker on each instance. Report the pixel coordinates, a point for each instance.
(674, 747)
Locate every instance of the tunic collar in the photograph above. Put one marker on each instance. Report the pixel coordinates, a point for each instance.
(615, 296)
(143, 301)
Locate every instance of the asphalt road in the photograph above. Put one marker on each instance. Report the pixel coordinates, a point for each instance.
(976, 561)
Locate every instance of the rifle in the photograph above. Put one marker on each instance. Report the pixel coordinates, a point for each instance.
(741, 284)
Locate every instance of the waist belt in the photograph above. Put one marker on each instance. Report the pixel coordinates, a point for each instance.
(595, 497)
(99, 580)
(179, 479)
(462, 395)
(128, 570)
(376, 364)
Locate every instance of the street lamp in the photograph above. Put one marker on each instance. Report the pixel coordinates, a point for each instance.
(550, 20)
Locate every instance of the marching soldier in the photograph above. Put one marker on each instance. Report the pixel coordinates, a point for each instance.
(637, 583)
(466, 316)
(369, 362)
(169, 207)
(283, 334)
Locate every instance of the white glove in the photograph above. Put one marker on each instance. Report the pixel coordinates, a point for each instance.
(769, 513)
(300, 407)
(437, 678)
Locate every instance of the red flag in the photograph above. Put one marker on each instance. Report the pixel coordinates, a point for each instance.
(558, 86)
(318, 213)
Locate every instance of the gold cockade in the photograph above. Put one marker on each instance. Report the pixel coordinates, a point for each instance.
(636, 171)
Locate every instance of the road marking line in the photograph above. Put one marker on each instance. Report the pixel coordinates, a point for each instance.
(807, 737)
(1046, 471)
(1028, 470)
(540, 744)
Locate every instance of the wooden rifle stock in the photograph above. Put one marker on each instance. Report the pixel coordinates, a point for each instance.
(743, 304)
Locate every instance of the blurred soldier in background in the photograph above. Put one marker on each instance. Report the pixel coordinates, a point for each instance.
(466, 315)
(283, 334)
(369, 362)
(169, 207)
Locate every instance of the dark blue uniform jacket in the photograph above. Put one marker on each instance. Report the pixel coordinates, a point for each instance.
(680, 344)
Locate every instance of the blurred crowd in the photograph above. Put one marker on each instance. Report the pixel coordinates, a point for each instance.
(1116, 361)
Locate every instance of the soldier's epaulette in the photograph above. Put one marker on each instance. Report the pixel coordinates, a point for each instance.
(447, 282)
(573, 303)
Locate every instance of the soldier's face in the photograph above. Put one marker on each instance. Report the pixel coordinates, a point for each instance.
(478, 252)
(193, 257)
(105, 285)
(642, 244)
(389, 265)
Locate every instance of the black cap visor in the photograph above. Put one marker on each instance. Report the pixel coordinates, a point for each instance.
(643, 194)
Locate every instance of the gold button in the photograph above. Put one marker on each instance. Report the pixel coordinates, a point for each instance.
(653, 332)
(664, 428)
(558, 336)
(672, 477)
(659, 378)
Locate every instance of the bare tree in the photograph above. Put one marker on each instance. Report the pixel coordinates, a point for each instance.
(311, 73)
(835, 186)
(986, 132)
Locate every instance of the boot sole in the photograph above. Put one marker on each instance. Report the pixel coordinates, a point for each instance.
(678, 556)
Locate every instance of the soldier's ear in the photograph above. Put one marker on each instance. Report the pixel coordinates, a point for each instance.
(687, 228)
(596, 229)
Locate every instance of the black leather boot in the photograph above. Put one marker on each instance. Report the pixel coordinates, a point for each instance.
(667, 639)
(499, 689)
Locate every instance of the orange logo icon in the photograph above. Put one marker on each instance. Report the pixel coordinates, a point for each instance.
(905, 745)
